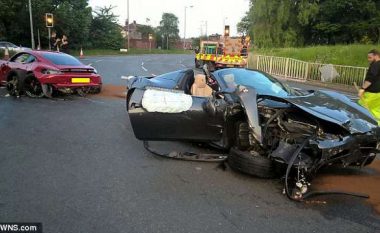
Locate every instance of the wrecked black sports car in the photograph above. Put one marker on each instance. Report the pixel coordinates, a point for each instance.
(268, 128)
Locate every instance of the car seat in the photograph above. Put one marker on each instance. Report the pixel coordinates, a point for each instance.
(200, 88)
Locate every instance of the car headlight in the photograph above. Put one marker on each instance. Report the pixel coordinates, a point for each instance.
(49, 71)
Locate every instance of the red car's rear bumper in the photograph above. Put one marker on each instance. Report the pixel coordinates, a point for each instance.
(66, 80)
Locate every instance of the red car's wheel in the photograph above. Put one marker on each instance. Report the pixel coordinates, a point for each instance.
(12, 85)
(33, 87)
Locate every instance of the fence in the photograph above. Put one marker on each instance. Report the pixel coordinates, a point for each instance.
(303, 71)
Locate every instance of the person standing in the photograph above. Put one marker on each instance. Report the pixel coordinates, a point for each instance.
(65, 44)
(54, 41)
(369, 93)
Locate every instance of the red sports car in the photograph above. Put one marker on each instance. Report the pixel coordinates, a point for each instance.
(40, 73)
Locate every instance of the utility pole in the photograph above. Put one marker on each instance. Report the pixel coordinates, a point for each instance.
(206, 29)
(31, 24)
(39, 40)
(205, 23)
(128, 33)
(184, 31)
(150, 42)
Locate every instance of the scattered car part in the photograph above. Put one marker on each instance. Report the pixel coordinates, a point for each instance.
(189, 156)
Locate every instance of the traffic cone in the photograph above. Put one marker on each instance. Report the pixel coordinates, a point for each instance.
(6, 54)
(81, 53)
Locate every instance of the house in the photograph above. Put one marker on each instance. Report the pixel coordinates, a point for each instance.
(136, 39)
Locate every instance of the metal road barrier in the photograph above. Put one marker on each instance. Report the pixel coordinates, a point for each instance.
(303, 71)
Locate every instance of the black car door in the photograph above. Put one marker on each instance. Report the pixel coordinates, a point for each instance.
(202, 120)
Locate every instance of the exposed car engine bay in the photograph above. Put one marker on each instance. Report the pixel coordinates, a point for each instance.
(299, 144)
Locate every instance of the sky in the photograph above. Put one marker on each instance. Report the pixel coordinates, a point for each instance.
(215, 12)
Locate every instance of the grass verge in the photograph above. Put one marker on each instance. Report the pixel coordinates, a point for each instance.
(351, 55)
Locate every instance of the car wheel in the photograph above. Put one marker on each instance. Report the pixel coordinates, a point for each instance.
(12, 85)
(83, 91)
(96, 90)
(251, 163)
(33, 87)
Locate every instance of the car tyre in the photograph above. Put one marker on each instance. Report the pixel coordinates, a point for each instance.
(13, 85)
(33, 87)
(251, 163)
(96, 90)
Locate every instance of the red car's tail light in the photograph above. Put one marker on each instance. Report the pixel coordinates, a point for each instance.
(49, 71)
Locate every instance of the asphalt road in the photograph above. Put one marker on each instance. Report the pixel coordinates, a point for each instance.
(74, 164)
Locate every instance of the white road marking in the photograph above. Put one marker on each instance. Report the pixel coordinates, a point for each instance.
(98, 61)
(127, 77)
(89, 64)
(142, 67)
(183, 65)
(153, 74)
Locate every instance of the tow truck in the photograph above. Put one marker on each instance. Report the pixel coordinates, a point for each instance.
(223, 52)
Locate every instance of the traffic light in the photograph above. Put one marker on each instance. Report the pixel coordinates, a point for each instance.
(49, 20)
(227, 31)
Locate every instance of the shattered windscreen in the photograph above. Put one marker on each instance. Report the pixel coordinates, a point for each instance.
(264, 84)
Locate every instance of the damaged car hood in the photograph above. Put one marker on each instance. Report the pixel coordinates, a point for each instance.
(325, 105)
(336, 108)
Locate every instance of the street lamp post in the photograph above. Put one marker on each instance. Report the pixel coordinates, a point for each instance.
(150, 42)
(128, 33)
(224, 21)
(184, 31)
(205, 23)
(31, 24)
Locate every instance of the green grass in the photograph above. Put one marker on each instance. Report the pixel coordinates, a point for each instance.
(351, 55)
(132, 51)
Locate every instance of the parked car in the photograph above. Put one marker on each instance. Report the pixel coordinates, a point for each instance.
(40, 73)
(269, 128)
(12, 47)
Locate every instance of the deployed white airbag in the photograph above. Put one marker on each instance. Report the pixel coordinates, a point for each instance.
(165, 101)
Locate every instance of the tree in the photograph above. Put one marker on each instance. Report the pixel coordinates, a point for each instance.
(145, 30)
(245, 24)
(275, 23)
(344, 21)
(169, 28)
(105, 32)
(71, 17)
